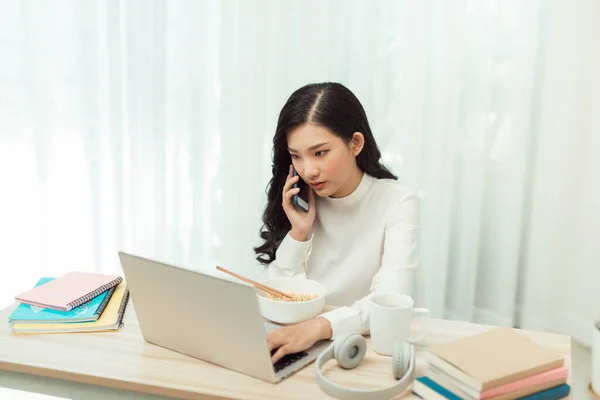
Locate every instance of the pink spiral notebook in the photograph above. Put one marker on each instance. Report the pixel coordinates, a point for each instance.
(69, 291)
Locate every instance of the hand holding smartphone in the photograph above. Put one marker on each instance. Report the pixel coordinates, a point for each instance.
(301, 200)
(298, 202)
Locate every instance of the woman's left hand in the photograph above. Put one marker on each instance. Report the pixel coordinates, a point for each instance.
(297, 337)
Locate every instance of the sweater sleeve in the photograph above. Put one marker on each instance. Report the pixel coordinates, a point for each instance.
(290, 258)
(397, 271)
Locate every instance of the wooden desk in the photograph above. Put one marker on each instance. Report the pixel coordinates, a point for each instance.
(124, 360)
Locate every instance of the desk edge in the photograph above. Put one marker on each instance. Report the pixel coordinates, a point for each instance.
(107, 382)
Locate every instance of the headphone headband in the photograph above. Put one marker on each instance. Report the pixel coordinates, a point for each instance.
(349, 352)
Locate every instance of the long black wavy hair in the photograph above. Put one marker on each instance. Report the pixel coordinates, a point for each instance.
(331, 105)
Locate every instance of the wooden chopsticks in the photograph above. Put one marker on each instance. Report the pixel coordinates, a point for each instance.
(260, 286)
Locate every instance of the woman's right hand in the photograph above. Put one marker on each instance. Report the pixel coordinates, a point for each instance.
(301, 221)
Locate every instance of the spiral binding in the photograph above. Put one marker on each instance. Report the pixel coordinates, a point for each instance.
(91, 295)
(121, 311)
(104, 303)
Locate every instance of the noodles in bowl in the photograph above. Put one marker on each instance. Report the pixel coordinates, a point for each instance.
(308, 299)
(296, 297)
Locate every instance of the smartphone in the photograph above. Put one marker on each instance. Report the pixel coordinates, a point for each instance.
(301, 198)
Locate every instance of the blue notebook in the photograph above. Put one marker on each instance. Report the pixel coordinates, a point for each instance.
(87, 312)
(425, 388)
(554, 393)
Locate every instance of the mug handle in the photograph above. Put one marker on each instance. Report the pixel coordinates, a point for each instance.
(425, 312)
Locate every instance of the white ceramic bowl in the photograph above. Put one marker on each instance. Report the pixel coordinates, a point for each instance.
(285, 312)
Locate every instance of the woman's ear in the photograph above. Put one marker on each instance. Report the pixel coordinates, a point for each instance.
(357, 143)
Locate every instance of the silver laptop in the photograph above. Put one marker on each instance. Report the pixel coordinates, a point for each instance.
(218, 320)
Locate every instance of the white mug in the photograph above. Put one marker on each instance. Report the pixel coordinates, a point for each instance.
(390, 318)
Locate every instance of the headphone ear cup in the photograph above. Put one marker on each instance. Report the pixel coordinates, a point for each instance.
(400, 359)
(350, 350)
(337, 344)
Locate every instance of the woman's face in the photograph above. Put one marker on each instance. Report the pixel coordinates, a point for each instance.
(324, 160)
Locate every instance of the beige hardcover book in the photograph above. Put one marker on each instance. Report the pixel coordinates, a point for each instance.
(493, 358)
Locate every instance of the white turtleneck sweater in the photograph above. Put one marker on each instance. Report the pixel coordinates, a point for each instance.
(359, 244)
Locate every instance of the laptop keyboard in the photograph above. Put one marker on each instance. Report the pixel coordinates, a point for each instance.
(288, 359)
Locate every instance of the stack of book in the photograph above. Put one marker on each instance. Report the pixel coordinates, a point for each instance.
(74, 302)
(500, 364)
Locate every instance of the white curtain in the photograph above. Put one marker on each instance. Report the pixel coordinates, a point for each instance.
(146, 126)
(560, 277)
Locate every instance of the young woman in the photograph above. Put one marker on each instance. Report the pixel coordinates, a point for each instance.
(359, 235)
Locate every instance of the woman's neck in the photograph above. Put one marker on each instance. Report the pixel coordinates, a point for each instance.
(350, 185)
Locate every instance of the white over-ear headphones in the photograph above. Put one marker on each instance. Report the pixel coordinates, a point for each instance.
(349, 351)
